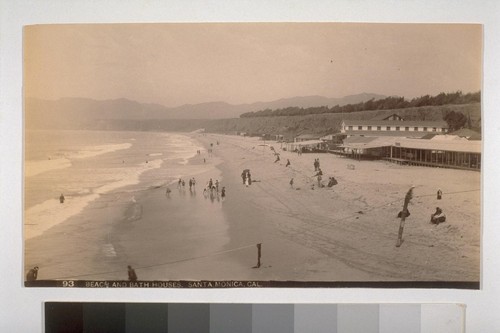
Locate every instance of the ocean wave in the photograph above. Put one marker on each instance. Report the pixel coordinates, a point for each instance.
(44, 216)
(33, 168)
(92, 151)
(50, 213)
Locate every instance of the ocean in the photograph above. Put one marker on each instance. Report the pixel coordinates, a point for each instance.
(84, 165)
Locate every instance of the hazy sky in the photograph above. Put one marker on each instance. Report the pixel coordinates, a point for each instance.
(175, 64)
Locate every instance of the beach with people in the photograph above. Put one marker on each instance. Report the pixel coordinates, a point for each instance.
(311, 229)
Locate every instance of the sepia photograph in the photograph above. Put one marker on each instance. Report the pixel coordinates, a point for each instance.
(249, 155)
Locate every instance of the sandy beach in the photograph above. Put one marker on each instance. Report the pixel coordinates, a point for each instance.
(344, 233)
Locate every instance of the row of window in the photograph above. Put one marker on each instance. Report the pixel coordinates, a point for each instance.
(388, 128)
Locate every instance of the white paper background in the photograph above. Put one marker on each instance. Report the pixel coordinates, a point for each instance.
(21, 308)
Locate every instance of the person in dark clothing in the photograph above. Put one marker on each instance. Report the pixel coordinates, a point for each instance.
(61, 198)
(32, 274)
(131, 274)
(332, 182)
(223, 192)
(438, 216)
(439, 194)
(291, 182)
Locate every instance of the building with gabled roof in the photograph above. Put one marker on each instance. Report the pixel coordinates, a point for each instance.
(392, 128)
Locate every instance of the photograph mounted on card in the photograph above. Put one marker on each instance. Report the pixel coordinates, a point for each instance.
(252, 155)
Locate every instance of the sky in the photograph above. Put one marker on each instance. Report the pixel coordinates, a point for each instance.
(176, 64)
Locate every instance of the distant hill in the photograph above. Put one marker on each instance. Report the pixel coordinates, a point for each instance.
(82, 112)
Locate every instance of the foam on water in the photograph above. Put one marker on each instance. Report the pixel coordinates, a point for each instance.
(42, 217)
(33, 168)
(85, 183)
(91, 151)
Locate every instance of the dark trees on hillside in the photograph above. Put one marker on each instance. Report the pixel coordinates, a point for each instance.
(455, 120)
(389, 103)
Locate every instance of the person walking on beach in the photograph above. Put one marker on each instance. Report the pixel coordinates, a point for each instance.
(217, 185)
(223, 193)
(32, 274)
(61, 198)
(131, 274)
(194, 183)
(244, 176)
(190, 184)
(183, 184)
(179, 183)
(287, 162)
(291, 183)
(439, 194)
(167, 191)
(319, 175)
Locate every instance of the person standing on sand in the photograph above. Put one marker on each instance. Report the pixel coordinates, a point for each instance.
(319, 175)
(291, 182)
(61, 198)
(179, 183)
(190, 184)
(223, 192)
(167, 192)
(217, 185)
(244, 177)
(131, 274)
(439, 194)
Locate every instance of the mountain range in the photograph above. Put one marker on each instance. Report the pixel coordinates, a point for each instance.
(40, 112)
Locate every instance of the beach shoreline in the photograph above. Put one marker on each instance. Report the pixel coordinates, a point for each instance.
(344, 233)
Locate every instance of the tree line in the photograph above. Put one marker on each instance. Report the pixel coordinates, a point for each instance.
(388, 103)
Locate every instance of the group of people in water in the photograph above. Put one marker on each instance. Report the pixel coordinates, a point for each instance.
(213, 188)
(181, 184)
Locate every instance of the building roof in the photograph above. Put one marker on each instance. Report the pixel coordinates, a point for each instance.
(413, 123)
(308, 136)
(385, 116)
(436, 144)
(307, 143)
(467, 133)
(386, 133)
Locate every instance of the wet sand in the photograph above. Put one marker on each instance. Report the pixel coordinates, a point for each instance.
(344, 233)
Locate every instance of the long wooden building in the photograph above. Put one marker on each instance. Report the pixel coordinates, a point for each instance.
(441, 151)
